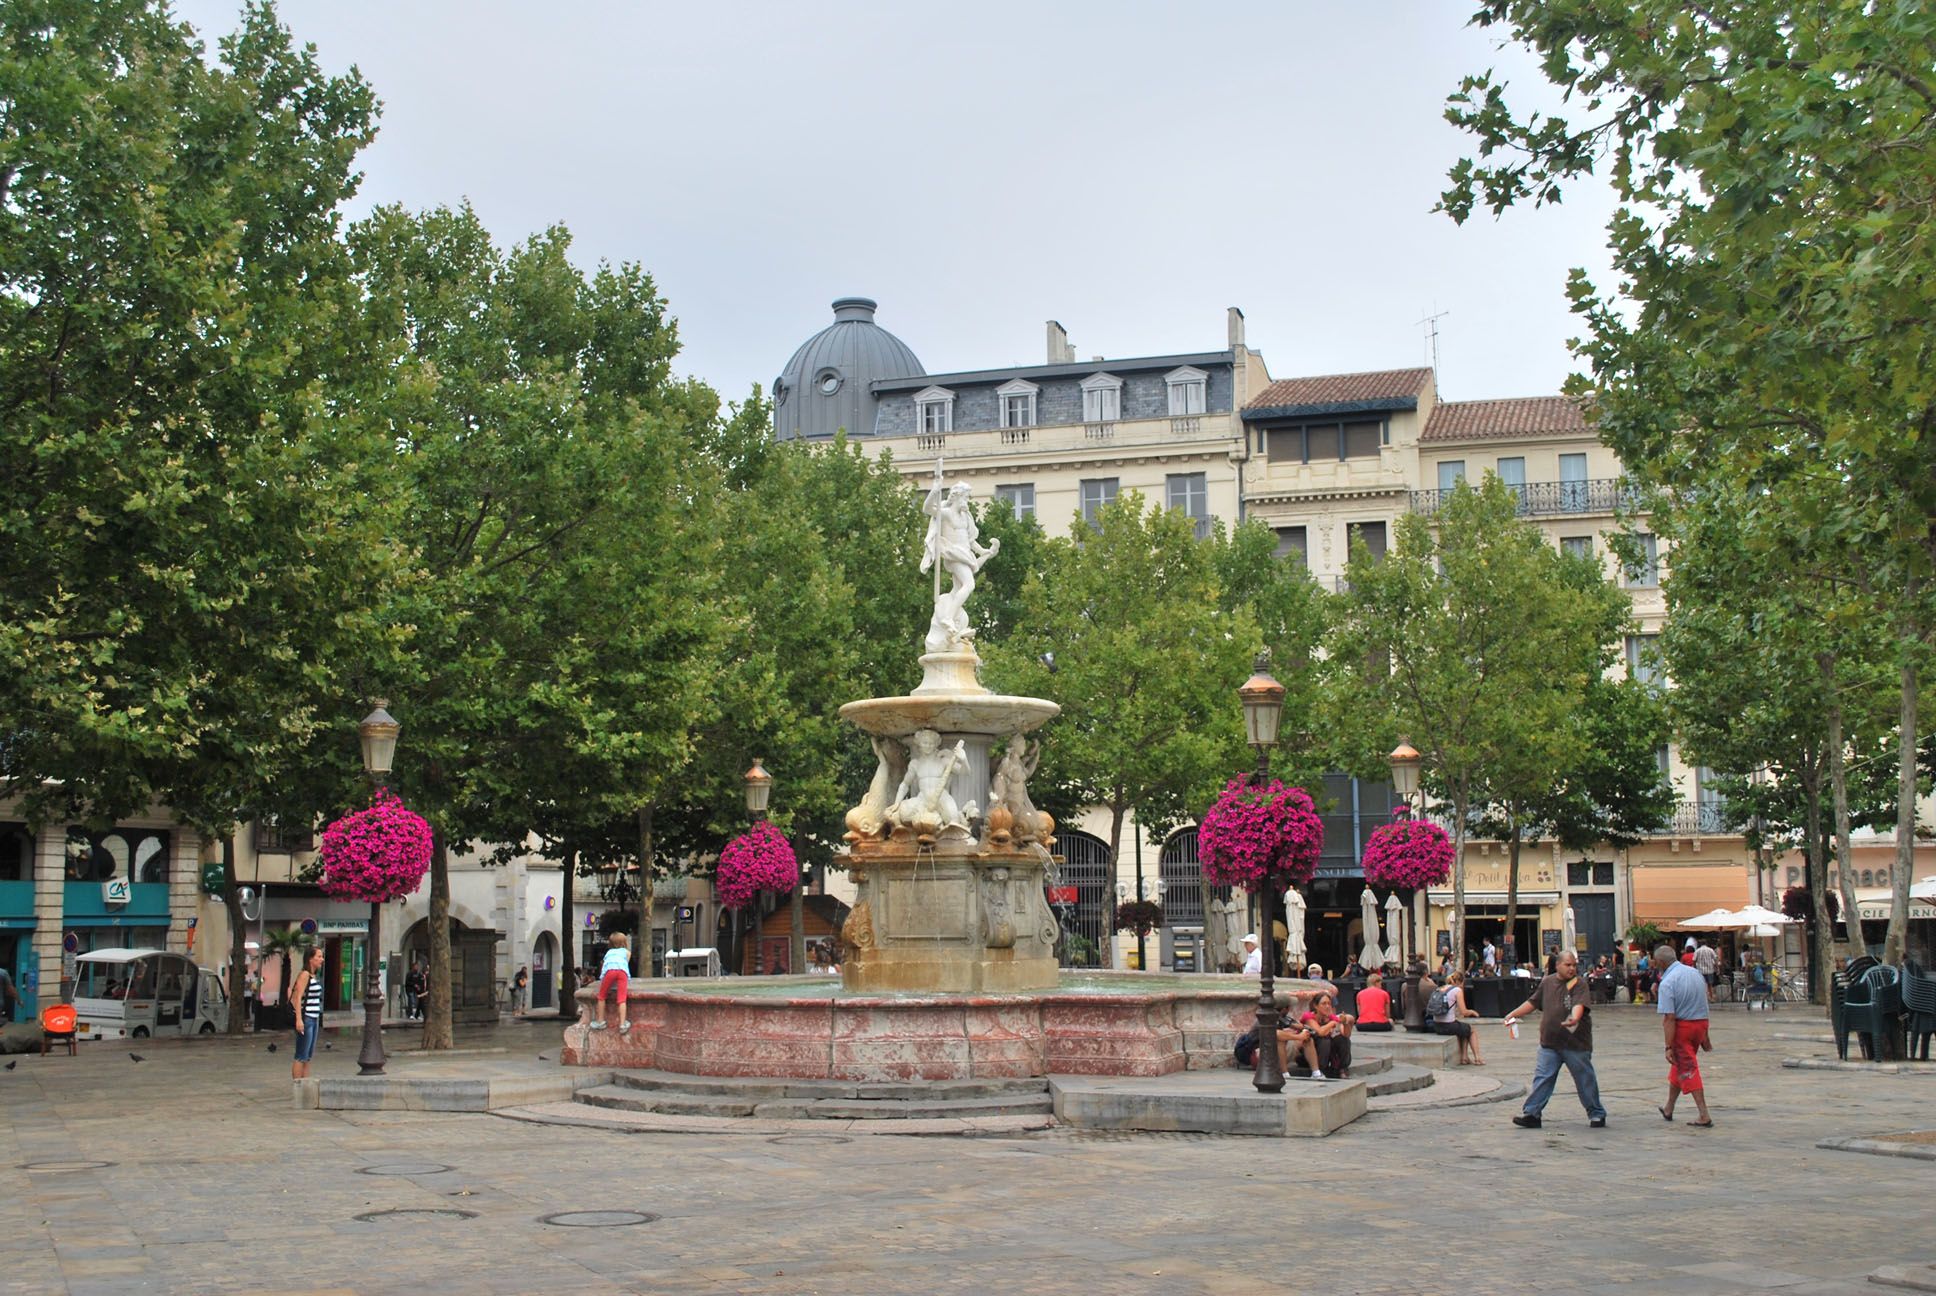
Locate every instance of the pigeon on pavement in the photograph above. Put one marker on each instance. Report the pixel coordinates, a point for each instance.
(11, 1065)
(137, 1057)
(272, 1048)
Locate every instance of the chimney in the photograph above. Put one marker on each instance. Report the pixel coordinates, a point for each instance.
(1236, 328)
(1060, 352)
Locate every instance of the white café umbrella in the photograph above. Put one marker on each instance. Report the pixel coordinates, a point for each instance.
(1394, 929)
(1294, 929)
(1753, 916)
(1923, 890)
(1764, 931)
(1371, 956)
(1569, 931)
(1712, 919)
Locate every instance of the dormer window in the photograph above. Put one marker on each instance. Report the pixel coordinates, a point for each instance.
(1102, 398)
(934, 411)
(1017, 401)
(1187, 388)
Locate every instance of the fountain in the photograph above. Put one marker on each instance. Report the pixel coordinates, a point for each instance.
(950, 971)
(947, 849)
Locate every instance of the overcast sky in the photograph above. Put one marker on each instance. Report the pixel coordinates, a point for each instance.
(1128, 169)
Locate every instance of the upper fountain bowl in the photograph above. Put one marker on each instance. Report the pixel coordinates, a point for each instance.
(961, 713)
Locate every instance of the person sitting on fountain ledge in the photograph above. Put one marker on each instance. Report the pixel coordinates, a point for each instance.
(1374, 1004)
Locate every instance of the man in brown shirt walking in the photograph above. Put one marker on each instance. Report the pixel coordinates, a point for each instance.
(1565, 1040)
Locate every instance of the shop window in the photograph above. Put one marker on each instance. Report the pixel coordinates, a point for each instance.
(16, 853)
(138, 854)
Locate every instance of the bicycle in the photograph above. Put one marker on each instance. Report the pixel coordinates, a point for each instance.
(1791, 986)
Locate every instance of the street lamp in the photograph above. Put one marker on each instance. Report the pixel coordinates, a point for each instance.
(378, 735)
(1405, 765)
(759, 788)
(1263, 699)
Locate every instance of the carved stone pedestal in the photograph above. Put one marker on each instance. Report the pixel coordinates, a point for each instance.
(949, 921)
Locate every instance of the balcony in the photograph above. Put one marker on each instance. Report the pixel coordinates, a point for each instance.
(1547, 499)
(1006, 443)
(1698, 819)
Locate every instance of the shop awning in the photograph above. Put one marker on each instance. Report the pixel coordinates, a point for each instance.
(1878, 910)
(1667, 893)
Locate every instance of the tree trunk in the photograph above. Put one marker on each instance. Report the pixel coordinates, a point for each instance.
(1116, 815)
(437, 1032)
(567, 960)
(1824, 942)
(238, 938)
(1512, 887)
(1460, 792)
(1894, 941)
(643, 944)
(1838, 779)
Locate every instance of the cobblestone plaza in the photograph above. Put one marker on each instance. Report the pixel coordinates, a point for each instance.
(211, 1182)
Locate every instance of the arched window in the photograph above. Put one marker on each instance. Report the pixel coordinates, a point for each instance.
(1085, 866)
(1183, 881)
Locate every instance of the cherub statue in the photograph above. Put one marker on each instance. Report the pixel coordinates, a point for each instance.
(1018, 762)
(869, 817)
(922, 803)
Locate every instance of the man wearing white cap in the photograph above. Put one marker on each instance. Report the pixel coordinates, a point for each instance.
(1253, 957)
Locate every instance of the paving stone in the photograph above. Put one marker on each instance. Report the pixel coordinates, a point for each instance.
(221, 1187)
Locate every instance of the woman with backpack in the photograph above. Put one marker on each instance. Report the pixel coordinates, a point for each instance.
(1445, 1011)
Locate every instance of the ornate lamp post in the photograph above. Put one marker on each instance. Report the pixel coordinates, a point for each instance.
(378, 736)
(1405, 765)
(759, 789)
(1263, 699)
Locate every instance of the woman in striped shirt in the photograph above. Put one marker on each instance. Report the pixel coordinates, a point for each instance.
(307, 996)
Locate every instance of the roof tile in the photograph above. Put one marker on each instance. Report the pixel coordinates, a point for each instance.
(1340, 389)
(1520, 416)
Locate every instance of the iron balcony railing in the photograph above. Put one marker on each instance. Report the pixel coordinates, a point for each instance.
(1690, 819)
(1548, 498)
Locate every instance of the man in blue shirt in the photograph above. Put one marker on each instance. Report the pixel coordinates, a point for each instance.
(1683, 1019)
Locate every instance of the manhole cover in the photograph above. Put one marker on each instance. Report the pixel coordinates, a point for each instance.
(810, 1138)
(597, 1219)
(57, 1167)
(405, 1212)
(404, 1168)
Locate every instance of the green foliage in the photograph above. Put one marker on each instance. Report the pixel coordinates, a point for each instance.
(1645, 935)
(1477, 643)
(195, 535)
(1146, 667)
(1772, 324)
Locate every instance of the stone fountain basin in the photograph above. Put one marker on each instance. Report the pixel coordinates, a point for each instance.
(963, 713)
(805, 1027)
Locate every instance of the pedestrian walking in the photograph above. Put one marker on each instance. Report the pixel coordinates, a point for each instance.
(1565, 1040)
(1683, 1018)
(416, 984)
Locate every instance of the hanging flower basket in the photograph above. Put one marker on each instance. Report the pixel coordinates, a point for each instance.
(379, 854)
(1139, 916)
(757, 860)
(1407, 854)
(1260, 837)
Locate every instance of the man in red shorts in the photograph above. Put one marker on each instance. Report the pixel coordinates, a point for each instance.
(1683, 1019)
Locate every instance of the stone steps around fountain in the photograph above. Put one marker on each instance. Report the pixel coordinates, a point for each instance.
(668, 1093)
(773, 1089)
(1435, 1052)
(671, 1102)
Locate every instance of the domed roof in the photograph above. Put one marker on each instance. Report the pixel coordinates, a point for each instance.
(824, 387)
